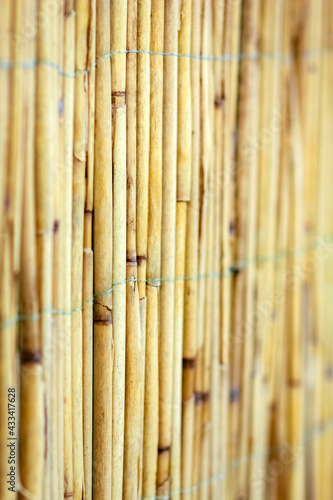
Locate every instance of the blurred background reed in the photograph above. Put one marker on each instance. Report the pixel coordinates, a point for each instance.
(166, 251)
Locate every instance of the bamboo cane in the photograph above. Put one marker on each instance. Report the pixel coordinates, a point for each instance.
(8, 355)
(31, 387)
(175, 456)
(89, 202)
(4, 110)
(131, 77)
(169, 151)
(79, 167)
(87, 293)
(57, 335)
(118, 74)
(247, 207)
(103, 342)
(295, 390)
(142, 157)
(133, 334)
(191, 263)
(268, 142)
(45, 156)
(65, 236)
(199, 358)
(151, 409)
(134, 380)
(277, 432)
(229, 345)
(323, 343)
(207, 88)
(87, 378)
(142, 371)
(184, 123)
(142, 145)
(218, 371)
(326, 178)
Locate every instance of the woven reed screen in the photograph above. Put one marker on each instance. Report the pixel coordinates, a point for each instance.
(166, 251)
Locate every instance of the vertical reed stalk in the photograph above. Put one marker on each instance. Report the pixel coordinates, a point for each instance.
(133, 334)
(134, 385)
(65, 237)
(191, 260)
(87, 377)
(31, 450)
(8, 376)
(91, 58)
(270, 121)
(79, 168)
(295, 383)
(142, 145)
(56, 353)
(45, 155)
(175, 457)
(118, 84)
(184, 125)
(169, 151)
(88, 265)
(219, 374)
(103, 342)
(230, 349)
(5, 19)
(207, 88)
(151, 410)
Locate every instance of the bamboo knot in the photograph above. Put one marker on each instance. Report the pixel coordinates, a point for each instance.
(188, 363)
(31, 357)
(118, 99)
(165, 449)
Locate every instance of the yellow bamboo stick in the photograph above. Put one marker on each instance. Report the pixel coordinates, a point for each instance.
(65, 237)
(134, 385)
(175, 457)
(87, 378)
(103, 342)
(230, 348)
(4, 111)
(89, 202)
(79, 167)
(118, 74)
(169, 151)
(191, 263)
(142, 145)
(151, 409)
(45, 157)
(31, 451)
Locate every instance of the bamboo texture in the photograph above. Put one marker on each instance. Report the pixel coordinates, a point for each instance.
(166, 249)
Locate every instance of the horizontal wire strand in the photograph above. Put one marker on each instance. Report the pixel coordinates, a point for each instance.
(236, 267)
(5, 65)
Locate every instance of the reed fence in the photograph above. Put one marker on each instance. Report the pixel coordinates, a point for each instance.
(166, 249)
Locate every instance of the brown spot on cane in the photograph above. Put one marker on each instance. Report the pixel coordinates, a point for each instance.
(294, 382)
(56, 226)
(141, 258)
(201, 397)
(188, 363)
(31, 357)
(165, 449)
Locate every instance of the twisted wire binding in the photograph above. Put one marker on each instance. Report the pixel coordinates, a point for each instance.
(242, 264)
(307, 436)
(5, 65)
